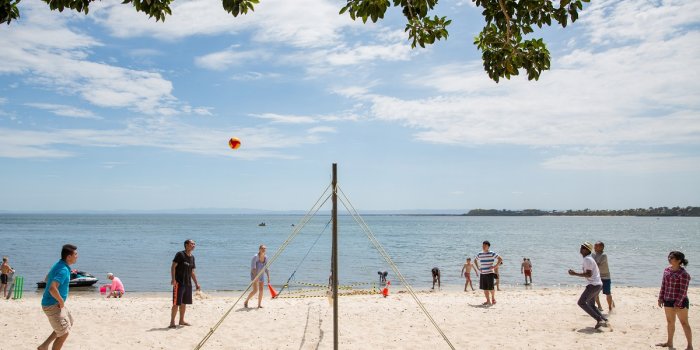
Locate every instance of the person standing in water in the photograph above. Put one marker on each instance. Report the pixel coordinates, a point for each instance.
(257, 265)
(526, 269)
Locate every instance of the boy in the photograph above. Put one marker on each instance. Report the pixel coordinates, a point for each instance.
(466, 271)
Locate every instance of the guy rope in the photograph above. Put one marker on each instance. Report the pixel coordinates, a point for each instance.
(314, 209)
(348, 206)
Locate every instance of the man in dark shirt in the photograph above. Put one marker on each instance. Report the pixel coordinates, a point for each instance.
(182, 273)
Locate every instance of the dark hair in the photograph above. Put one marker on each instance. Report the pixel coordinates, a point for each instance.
(68, 249)
(187, 241)
(678, 256)
(601, 244)
(487, 243)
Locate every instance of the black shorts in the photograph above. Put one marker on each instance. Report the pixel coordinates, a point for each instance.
(672, 303)
(182, 294)
(3, 278)
(486, 281)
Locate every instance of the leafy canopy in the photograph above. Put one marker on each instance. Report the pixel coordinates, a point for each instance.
(505, 50)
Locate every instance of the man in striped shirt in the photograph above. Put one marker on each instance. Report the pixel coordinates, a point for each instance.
(486, 261)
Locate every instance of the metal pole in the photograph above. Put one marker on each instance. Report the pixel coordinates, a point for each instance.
(334, 257)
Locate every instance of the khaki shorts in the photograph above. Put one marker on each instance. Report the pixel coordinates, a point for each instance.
(61, 320)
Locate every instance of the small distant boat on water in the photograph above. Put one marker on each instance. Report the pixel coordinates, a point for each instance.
(262, 224)
(77, 279)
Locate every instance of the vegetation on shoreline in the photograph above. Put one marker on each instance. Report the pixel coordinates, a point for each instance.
(660, 211)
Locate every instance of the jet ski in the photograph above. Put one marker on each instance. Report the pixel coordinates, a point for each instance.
(77, 279)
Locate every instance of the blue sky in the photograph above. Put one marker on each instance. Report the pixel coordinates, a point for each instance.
(112, 111)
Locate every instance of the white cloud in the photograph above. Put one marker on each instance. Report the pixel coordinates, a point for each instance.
(322, 129)
(203, 111)
(285, 119)
(369, 53)
(65, 111)
(299, 23)
(52, 55)
(228, 58)
(250, 76)
(612, 21)
(375, 48)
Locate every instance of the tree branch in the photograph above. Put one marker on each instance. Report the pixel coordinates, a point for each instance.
(505, 12)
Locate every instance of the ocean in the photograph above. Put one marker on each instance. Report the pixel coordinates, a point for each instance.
(139, 248)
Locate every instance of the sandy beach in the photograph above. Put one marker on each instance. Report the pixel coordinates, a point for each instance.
(546, 318)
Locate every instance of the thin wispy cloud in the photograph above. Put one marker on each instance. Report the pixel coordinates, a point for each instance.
(230, 58)
(64, 111)
(625, 163)
(285, 119)
(163, 133)
(252, 76)
(323, 129)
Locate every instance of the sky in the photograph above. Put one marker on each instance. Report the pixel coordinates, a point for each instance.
(113, 111)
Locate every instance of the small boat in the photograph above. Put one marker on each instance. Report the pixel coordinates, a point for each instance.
(262, 224)
(77, 279)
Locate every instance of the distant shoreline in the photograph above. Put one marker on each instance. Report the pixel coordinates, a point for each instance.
(638, 212)
(649, 212)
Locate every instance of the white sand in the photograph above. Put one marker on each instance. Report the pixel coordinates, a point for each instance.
(522, 319)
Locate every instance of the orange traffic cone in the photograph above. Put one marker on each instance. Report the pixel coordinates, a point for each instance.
(385, 291)
(273, 292)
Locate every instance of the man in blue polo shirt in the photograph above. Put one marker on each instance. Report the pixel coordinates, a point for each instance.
(54, 299)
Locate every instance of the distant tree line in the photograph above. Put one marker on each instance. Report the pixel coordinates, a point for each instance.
(660, 211)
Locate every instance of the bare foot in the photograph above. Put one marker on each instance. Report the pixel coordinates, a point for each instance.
(665, 345)
(172, 325)
(183, 323)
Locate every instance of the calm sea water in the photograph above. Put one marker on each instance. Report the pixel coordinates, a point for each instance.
(139, 248)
